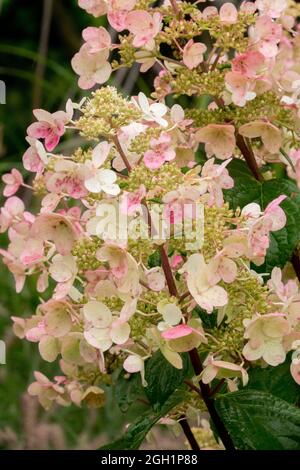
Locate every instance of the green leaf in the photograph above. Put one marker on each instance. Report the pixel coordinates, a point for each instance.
(283, 242)
(162, 378)
(138, 430)
(154, 260)
(208, 321)
(278, 382)
(247, 190)
(128, 390)
(260, 421)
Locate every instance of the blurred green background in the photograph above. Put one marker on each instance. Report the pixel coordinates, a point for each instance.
(38, 40)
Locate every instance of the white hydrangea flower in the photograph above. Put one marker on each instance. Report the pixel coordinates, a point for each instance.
(102, 328)
(152, 112)
(99, 179)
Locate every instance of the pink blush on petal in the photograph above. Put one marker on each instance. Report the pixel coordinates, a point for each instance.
(51, 142)
(39, 130)
(177, 332)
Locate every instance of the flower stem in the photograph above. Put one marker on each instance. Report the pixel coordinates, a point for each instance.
(168, 271)
(193, 387)
(188, 433)
(209, 402)
(248, 155)
(196, 363)
(121, 152)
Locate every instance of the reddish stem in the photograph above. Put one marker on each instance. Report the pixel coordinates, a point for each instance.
(209, 402)
(121, 152)
(188, 433)
(248, 155)
(168, 272)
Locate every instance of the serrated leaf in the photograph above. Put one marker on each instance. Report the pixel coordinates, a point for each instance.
(138, 430)
(277, 381)
(260, 421)
(162, 378)
(247, 190)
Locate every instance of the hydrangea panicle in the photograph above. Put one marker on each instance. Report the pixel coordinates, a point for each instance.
(110, 247)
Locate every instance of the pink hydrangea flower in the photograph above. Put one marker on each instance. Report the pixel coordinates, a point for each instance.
(96, 178)
(295, 370)
(63, 270)
(13, 181)
(161, 152)
(143, 26)
(94, 7)
(33, 252)
(214, 179)
(177, 332)
(270, 135)
(228, 13)
(261, 224)
(56, 228)
(240, 87)
(12, 210)
(13, 263)
(265, 334)
(118, 11)
(46, 391)
(49, 127)
(265, 35)
(222, 369)
(222, 265)
(91, 68)
(287, 293)
(274, 212)
(131, 202)
(68, 178)
(209, 12)
(162, 85)
(35, 157)
(96, 39)
(219, 139)
(205, 293)
(183, 337)
(248, 7)
(181, 203)
(35, 334)
(272, 8)
(116, 257)
(193, 53)
(155, 279)
(102, 328)
(249, 63)
(175, 261)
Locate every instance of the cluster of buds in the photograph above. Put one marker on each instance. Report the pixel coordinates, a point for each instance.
(135, 193)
